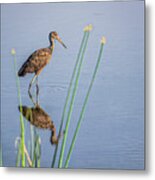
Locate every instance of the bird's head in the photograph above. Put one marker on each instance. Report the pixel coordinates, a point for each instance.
(54, 35)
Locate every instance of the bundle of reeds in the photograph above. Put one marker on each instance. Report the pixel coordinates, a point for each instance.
(71, 96)
(23, 154)
(22, 132)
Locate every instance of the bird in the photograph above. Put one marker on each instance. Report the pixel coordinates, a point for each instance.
(38, 60)
(40, 119)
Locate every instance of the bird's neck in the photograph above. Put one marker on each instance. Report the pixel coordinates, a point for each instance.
(51, 44)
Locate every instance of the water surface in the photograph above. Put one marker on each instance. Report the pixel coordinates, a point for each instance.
(112, 133)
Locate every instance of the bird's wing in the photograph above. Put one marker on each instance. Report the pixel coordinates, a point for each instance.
(40, 58)
(35, 61)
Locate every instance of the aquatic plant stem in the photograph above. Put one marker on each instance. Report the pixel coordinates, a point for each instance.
(37, 151)
(84, 107)
(32, 139)
(28, 157)
(20, 103)
(67, 98)
(18, 155)
(72, 103)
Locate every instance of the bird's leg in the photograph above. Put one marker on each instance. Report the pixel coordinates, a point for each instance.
(37, 91)
(29, 92)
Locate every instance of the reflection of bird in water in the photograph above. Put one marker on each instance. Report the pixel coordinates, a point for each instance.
(39, 118)
(38, 60)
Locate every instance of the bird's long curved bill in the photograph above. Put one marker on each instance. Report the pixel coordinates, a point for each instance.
(60, 41)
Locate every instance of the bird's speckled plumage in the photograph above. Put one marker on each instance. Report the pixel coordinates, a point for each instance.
(36, 62)
(40, 119)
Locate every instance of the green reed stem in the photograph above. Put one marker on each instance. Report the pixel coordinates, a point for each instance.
(83, 108)
(20, 103)
(72, 103)
(37, 151)
(67, 98)
(18, 155)
(33, 133)
(34, 150)
(32, 140)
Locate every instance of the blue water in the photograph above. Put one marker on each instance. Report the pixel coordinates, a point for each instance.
(112, 133)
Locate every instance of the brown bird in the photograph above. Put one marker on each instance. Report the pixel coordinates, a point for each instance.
(40, 119)
(38, 60)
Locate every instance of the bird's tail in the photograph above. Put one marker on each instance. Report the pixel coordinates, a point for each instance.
(23, 109)
(26, 112)
(21, 72)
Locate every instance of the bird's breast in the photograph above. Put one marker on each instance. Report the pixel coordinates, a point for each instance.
(49, 59)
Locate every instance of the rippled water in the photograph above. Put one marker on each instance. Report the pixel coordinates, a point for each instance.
(112, 133)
